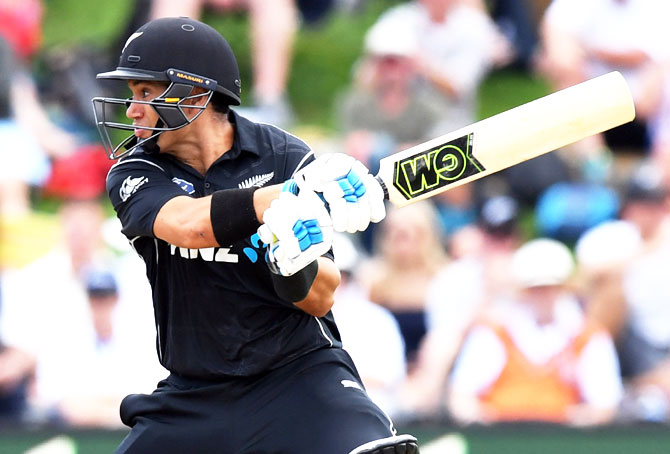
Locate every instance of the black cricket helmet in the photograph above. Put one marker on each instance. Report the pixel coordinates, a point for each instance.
(182, 52)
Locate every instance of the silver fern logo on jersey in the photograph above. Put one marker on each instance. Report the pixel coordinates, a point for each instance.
(130, 185)
(256, 180)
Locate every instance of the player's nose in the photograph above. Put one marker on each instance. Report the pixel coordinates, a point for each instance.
(133, 110)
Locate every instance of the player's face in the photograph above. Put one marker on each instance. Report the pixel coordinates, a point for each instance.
(143, 115)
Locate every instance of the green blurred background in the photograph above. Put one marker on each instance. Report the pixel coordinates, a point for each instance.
(323, 56)
(508, 439)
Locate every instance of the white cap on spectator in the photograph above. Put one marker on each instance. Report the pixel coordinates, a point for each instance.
(542, 261)
(392, 37)
(608, 244)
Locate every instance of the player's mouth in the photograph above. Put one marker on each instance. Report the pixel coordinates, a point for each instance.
(141, 133)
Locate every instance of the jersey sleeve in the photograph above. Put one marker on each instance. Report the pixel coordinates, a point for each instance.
(298, 155)
(138, 189)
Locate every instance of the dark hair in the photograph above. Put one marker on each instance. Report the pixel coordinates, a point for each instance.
(220, 103)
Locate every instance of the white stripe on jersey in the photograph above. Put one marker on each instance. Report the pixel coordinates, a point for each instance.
(323, 331)
(302, 162)
(123, 161)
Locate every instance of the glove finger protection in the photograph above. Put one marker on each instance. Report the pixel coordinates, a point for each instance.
(355, 197)
(297, 230)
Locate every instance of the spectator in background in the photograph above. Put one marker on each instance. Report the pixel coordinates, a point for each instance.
(514, 20)
(409, 252)
(84, 385)
(458, 294)
(600, 270)
(273, 27)
(539, 359)
(48, 295)
(369, 332)
(644, 343)
(17, 368)
(387, 108)
(52, 308)
(582, 40)
(624, 281)
(456, 45)
(28, 135)
(456, 208)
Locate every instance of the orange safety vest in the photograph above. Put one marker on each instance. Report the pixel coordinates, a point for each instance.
(535, 392)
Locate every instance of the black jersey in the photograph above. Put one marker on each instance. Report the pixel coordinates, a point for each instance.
(216, 311)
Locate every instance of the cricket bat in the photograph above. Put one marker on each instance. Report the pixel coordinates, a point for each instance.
(506, 139)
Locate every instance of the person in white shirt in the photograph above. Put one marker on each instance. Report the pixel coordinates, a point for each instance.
(584, 39)
(538, 359)
(456, 46)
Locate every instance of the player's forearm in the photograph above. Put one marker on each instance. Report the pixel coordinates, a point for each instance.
(185, 222)
(192, 223)
(320, 299)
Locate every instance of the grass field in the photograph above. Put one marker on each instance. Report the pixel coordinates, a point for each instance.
(434, 439)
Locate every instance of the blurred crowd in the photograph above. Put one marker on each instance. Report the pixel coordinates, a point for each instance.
(540, 293)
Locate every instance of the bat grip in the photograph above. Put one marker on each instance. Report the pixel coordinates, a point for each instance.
(383, 185)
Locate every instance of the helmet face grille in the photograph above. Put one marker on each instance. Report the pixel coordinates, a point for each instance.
(110, 118)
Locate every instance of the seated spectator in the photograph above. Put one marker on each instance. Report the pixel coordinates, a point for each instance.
(85, 386)
(273, 28)
(409, 251)
(515, 20)
(370, 333)
(456, 45)
(30, 138)
(456, 208)
(539, 359)
(386, 108)
(601, 268)
(631, 305)
(458, 294)
(660, 151)
(17, 369)
(102, 335)
(582, 40)
(644, 343)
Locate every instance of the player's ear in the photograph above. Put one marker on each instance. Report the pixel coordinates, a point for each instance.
(197, 100)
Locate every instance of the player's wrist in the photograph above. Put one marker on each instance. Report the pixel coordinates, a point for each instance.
(233, 215)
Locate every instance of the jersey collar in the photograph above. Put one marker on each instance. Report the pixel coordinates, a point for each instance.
(245, 139)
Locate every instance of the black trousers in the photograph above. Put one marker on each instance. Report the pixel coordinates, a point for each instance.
(316, 404)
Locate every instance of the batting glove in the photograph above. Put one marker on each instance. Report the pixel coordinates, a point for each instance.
(354, 196)
(297, 229)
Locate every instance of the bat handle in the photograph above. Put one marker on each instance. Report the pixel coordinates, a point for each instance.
(383, 185)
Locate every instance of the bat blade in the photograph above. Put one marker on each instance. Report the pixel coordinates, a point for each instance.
(506, 139)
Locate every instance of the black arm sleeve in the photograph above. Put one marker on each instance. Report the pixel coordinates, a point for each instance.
(233, 215)
(296, 287)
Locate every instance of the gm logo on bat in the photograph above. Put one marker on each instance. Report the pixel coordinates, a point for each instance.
(437, 167)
